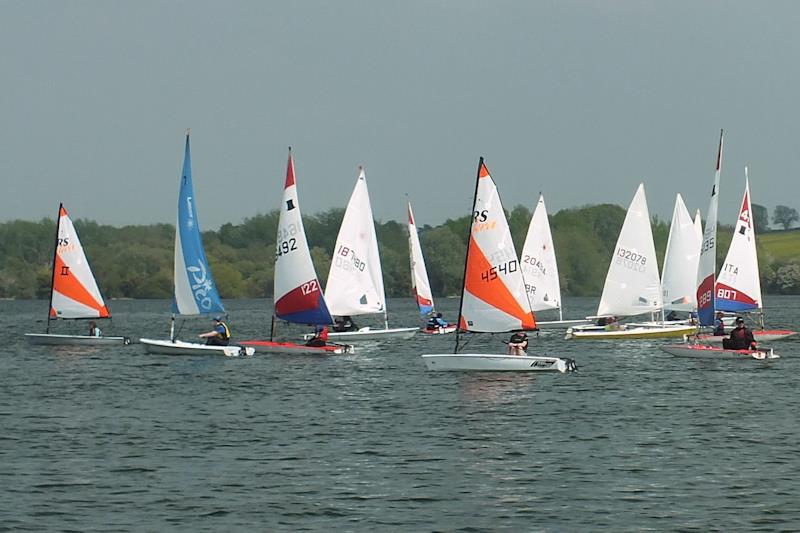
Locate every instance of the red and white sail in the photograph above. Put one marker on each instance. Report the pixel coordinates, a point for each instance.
(298, 295)
(707, 269)
(738, 286)
(632, 284)
(539, 267)
(420, 285)
(75, 291)
(679, 276)
(494, 297)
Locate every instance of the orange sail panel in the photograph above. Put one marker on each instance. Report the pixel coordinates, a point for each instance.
(75, 291)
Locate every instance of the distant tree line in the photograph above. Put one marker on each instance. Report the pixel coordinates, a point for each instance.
(137, 262)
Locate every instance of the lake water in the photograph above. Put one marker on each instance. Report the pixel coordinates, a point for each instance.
(119, 440)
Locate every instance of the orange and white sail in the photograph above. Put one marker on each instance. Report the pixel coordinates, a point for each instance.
(494, 297)
(75, 293)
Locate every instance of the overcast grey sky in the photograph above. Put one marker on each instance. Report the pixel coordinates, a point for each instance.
(579, 100)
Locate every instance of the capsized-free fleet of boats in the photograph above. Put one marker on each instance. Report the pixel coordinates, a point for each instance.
(501, 291)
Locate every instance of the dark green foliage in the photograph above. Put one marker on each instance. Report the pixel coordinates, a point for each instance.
(760, 218)
(137, 262)
(785, 216)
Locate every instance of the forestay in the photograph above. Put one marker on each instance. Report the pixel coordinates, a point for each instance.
(75, 293)
(298, 296)
(738, 287)
(355, 281)
(632, 284)
(494, 297)
(195, 290)
(420, 284)
(679, 277)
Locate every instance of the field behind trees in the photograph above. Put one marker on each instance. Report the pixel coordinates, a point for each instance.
(136, 261)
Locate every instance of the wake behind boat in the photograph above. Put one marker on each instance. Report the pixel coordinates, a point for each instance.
(74, 293)
(298, 297)
(493, 296)
(195, 292)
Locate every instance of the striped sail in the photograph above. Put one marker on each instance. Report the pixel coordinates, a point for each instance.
(298, 295)
(419, 275)
(494, 297)
(355, 280)
(738, 287)
(632, 284)
(679, 277)
(75, 293)
(707, 268)
(195, 290)
(539, 267)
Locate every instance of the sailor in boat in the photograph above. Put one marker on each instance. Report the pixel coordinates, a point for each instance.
(219, 336)
(609, 323)
(518, 344)
(671, 316)
(320, 337)
(344, 323)
(435, 322)
(719, 325)
(94, 331)
(741, 337)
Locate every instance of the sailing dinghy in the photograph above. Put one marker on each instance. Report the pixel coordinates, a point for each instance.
(738, 287)
(355, 280)
(493, 296)
(298, 295)
(632, 284)
(194, 289)
(540, 270)
(679, 276)
(420, 285)
(73, 290)
(706, 285)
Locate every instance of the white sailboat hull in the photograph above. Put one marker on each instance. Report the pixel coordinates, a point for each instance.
(192, 348)
(369, 334)
(497, 363)
(561, 324)
(74, 340)
(677, 331)
(704, 351)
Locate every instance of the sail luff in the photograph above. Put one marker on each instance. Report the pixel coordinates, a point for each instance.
(706, 271)
(53, 276)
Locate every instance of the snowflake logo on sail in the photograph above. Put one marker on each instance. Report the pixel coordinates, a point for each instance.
(202, 285)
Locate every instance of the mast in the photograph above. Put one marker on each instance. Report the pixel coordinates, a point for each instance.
(466, 257)
(55, 254)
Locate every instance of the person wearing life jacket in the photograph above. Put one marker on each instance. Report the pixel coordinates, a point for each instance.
(435, 322)
(320, 337)
(344, 323)
(219, 336)
(719, 325)
(94, 331)
(741, 338)
(518, 343)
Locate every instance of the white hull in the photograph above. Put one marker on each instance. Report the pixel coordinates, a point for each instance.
(296, 349)
(677, 331)
(368, 334)
(704, 351)
(74, 340)
(192, 348)
(561, 324)
(497, 363)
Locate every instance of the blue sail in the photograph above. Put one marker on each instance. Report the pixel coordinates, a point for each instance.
(195, 290)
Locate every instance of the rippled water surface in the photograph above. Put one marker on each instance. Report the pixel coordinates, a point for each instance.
(116, 439)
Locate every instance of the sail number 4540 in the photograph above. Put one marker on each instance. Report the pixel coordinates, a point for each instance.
(503, 268)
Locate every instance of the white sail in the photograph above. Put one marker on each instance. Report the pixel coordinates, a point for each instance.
(738, 286)
(539, 267)
(494, 297)
(679, 277)
(632, 284)
(420, 284)
(355, 281)
(75, 291)
(698, 226)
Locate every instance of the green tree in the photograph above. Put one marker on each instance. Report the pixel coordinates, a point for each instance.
(785, 216)
(760, 218)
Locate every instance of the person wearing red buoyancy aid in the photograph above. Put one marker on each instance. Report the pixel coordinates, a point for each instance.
(741, 338)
